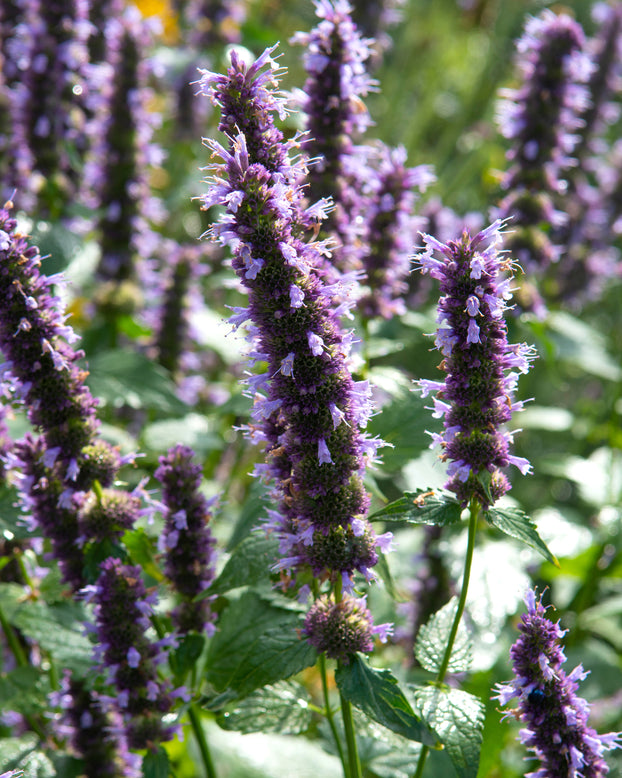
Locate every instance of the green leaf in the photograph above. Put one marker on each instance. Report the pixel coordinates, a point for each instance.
(19, 690)
(142, 550)
(191, 430)
(123, 377)
(58, 629)
(281, 708)
(11, 515)
(253, 508)
(516, 524)
(378, 695)
(433, 638)
(256, 644)
(248, 564)
(458, 718)
(423, 506)
(155, 764)
(402, 424)
(185, 656)
(22, 754)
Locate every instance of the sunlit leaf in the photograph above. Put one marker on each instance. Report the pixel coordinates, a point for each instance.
(433, 638)
(516, 524)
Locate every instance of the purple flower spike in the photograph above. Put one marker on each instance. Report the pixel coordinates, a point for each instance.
(95, 731)
(335, 58)
(187, 539)
(342, 628)
(308, 411)
(476, 399)
(542, 119)
(392, 232)
(555, 717)
(130, 658)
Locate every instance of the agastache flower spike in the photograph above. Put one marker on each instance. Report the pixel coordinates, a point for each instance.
(127, 655)
(312, 412)
(476, 399)
(541, 119)
(335, 57)
(187, 539)
(555, 717)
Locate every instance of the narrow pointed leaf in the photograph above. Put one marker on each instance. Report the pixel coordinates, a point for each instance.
(516, 524)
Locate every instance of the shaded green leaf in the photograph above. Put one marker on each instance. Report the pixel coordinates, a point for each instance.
(256, 644)
(142, 550)
(123, 377)
(22, 754)
(433, 638)
(248, 564)
(11, 515)
(402, 424)
(58, 629)
(423, 506)
(185, 656)
(516, 524)
(19, 690)
(280, 708)
(253, 509)
(155, 764)
(377, 694)
(458, 719)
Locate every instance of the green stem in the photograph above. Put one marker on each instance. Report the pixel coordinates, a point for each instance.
(348, 724)
(199, 733)
(474, 509)
(329, 715)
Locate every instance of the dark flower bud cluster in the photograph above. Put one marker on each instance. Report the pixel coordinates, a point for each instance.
(187, 540)
(106, 514)
(476, 399)
(541, 119)
(94, 731)
(308, 412)
(341, 629)
(126, 654)
(555, 718)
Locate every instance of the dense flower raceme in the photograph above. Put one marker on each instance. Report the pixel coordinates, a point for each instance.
(42, 371)
(308, 411)
(95, 732)
(555, 717)
(391, 232)
(47, 101)
(335, 56)
(187, 540)
(117, 167)
(476, 398)
(541, 119)
(126, 654)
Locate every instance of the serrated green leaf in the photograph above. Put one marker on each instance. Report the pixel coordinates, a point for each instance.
(423, 506)
(458, 719)
(280, 708)
(58, 629)
(18, 690)
(253, 509)
(377, 694)
(516, 524)
(433, 637)
(256, 644)
(123, 377)
(155, 764)
(11, 515)
(248, 564)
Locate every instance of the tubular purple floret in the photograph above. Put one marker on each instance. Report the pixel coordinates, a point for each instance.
(476, 399)
(555, 717)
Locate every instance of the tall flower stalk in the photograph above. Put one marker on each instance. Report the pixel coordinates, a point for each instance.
(476, 400)
(308, 412)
